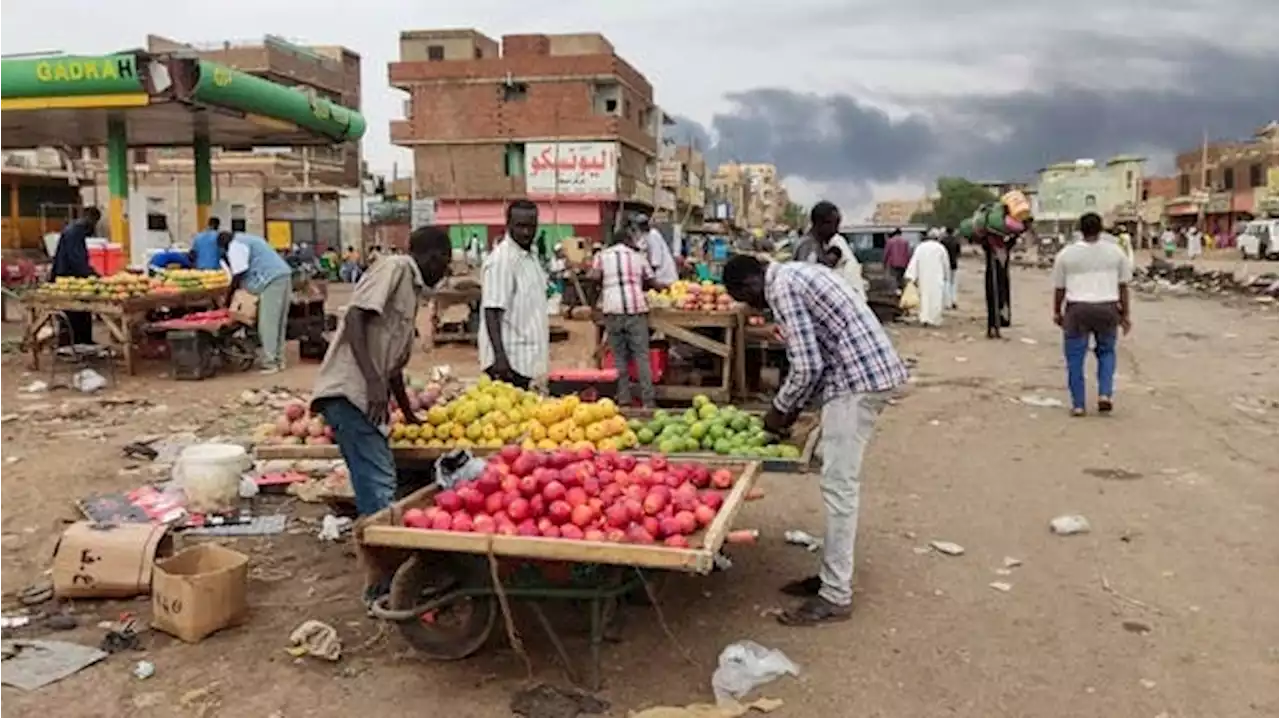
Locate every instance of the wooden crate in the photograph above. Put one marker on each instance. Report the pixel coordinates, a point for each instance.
(383, 533)
(805, 434)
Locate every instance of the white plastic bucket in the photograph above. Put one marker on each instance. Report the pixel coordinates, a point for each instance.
(209, 474)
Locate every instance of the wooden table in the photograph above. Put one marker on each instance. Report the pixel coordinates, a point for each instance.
(123, 318)
(682, 326)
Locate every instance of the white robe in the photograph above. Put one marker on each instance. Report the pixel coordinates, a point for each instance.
(930, 269)
(849, 268)
(1194, 244)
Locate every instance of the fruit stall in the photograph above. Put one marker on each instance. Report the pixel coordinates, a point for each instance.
(122, 302)
(581, 525)
(703, 316)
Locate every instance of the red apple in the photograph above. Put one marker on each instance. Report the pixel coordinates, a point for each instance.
(722, 479)
(518, 510)
(551, 532)
(626, 463)
(507, 530)
(416, 519)
(617, 515)
(593, 535)
(528, 485)
(484, 525)
(570, 531)
(559, 512)
(509, 453)
(636, 534)
(704, 514)
(658, 462)
(581, 515)
(714, 499)
(591, 485)
(635, 509)
(537, 506)
(651, 525)
(615, 535)
(449, 501)
(461, 522)
(585, 454)
(688, 523)
(493, 503)
(543, 523)
(442, 521)
(553, 490)
(527, 528)
(668, 527)
(524, 464)
(576, 496)
(510, 484)
(676, 541)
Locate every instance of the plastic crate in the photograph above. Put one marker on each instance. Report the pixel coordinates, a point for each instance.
(657, 364)
(192, 354)
(589, 384)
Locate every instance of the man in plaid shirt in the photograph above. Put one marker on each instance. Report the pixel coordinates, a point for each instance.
(839, 354)
(624, 273)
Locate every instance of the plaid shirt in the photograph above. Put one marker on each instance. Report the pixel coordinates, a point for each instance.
(835, 344)
(623, 273)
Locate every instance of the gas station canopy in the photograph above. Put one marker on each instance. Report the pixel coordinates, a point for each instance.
(165, 100)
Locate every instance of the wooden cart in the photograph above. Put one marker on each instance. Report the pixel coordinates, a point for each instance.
(123, 318)
(446, 602)
(683, 326)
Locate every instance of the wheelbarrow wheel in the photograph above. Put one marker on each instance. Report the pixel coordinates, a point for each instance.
(453, 631)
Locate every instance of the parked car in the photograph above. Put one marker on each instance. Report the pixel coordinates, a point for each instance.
(1260, 240)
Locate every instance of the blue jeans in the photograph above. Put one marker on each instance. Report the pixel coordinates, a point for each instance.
(1075, 347)
(368, 455)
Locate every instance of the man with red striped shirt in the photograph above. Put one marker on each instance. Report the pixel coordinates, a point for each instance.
(624, 275)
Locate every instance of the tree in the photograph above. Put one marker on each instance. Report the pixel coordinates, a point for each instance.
(794, 215)
(957, 199)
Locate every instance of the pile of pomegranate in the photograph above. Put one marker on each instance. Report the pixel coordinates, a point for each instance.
(580, 495)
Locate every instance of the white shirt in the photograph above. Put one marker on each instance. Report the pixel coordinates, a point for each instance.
(660, 259)
(848, 267)
(238, 257)
(513, 281)
(1091, 271)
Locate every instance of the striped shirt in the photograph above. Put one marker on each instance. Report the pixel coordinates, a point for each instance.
(513, 281)
(835, 344)
(623, 272)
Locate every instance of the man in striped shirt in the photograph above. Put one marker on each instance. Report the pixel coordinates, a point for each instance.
(624, 273)
(514, 331)
(837, 352)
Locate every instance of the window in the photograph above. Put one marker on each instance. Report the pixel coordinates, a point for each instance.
(513, 160)
(611, 106)
(1128, 179)
(1208, 179)
(1228, 178)
(1090, 201)
(238, 223)
(1184, 185)
(1146, 193)
(626, 109)
(478, 53)
(606, 98)
(1256, 178)
(514, 91)
(435, 52)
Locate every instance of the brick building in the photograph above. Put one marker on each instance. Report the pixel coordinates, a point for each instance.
(1227, 182)
(560, 119)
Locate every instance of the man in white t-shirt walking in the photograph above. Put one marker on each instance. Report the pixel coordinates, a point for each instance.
(1091, 298)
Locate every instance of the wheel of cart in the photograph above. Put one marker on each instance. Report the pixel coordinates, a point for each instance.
(450, 589)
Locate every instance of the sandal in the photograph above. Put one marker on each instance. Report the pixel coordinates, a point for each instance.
(815, 611)
(803, 588)
(1104, 405)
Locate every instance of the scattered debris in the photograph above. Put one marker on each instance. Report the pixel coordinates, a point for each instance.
(37, 593)
(1114, 474)
(1133, 626)
(315, 638)
(121, 636)
(333, 527)
(797, 537)
(1070, 524)
(142, 670)
(543, 701)
(1028, 340)
(961, 360)
(1166, 277)
(947, 547)
(746, 665)
(34, 664)
(61, 622)
(1147, 683)
(35, 387)
(14, 621)
(1001, 586)
(1011, 562)
(1044, 402)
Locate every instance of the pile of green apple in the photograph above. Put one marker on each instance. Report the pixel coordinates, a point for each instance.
(705, 427)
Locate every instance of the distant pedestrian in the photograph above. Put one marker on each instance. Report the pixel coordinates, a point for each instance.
(1195, 243)
(1168, 242)
(897, 255)
(952, 243)
(930, 269)
(71, 259)
(350, 271)
(1091, 299)
(204, 247)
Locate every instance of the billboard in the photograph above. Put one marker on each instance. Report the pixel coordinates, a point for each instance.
(571, 170)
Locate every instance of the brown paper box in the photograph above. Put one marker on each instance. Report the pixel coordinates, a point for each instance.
(108, 561)
(244, 306)
(200, 590)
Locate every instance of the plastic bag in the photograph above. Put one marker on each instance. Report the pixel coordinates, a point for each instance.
(745, 665)
(910, 297)
(457, 466)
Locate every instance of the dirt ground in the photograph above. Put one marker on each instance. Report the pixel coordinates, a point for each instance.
(1164, 609)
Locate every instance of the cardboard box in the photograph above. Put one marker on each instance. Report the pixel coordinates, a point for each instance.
(200, 590)
(108, 560)
(244, 306)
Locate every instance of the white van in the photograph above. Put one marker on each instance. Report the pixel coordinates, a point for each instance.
(1260, 240)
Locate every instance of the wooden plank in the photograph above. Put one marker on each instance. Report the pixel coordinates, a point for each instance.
(680, 333)
(382, 532)
(330, 451)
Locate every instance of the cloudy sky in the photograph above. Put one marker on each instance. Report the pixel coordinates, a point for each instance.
(855, 100)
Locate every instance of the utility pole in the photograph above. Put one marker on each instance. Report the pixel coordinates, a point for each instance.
(1204, 179)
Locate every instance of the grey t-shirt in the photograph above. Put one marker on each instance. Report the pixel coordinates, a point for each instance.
(1091, 271)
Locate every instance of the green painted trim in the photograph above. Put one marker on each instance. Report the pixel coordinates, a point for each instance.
(203, 157)
(69, 75)
(221, 85)
(117, 157)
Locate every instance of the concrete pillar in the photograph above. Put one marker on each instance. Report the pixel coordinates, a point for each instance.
(118, 182)
(204, 181)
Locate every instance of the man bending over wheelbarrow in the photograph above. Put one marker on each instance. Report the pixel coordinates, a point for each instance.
(364, 368)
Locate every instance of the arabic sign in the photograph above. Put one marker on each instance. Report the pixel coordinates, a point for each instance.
(422, 212)
(577, 170)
